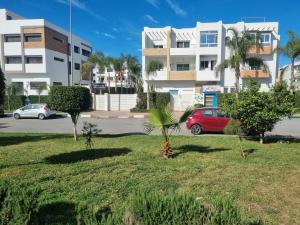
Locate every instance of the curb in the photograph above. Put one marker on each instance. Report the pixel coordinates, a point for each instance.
(116, 117)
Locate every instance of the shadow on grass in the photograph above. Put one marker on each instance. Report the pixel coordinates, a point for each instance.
(120, 135)
(196, 148)
(2, 125)
(84, 155)
(13, 139)
(61, 212)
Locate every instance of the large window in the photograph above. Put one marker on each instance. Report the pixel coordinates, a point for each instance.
(77, 66)
(13, 59)
(183, 67)
(207, 64)
(76, 49)
(85, 52)
(34, 59)
(183, 44)
(12, 38)
(208, 38)
(204, 65)
(37, 84)
(265, 38)
(33, 37)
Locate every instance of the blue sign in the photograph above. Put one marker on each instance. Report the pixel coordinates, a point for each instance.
(99, 85)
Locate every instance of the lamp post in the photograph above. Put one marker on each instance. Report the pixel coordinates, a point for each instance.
(71, 46)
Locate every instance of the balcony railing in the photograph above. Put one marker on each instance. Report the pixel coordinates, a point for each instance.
(264, 50)
(155, 51)
(183, 75)
(247, 72)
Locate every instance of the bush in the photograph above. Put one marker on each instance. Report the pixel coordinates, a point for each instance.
(297, 101)
(17, 203)
(157, 100)
(15, 102)
(35, 99)
(233, 127)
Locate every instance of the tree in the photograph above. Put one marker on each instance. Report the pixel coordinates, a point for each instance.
(291, 49)
(134, 70)
(152, 67)
(162, 118)
(240, 43)
(72, 100)
(257, 111)
(40, 87)
(2, 87)
(11, 91)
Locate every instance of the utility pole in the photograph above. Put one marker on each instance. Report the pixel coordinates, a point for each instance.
(71, 47)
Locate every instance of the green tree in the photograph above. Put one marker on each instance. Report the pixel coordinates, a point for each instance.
(152, 67)
(72, 100)
(257, 111)
(11, 91)
(134, 70)
(40, 87)
(2, 87)
(162, 118)
(291, 49)
(240, 44)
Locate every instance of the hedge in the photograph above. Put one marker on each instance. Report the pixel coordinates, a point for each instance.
(297, 101)
(157, 100)
(19, 100)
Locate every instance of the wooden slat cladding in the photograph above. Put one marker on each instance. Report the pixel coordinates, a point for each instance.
(255, 74)
(265, 50)
(50, 39)
(183, 75)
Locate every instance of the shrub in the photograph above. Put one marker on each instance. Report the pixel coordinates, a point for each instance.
(17, 203)
(157, 100)
(35, 99)
(297, 101)
(233, 127)
(15, 102)
(72, 100)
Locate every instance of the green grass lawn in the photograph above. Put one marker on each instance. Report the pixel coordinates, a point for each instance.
(266, 184)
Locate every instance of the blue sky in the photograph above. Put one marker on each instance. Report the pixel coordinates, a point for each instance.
(114, 26)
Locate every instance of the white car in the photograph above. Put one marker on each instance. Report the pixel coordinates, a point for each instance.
(41, 111)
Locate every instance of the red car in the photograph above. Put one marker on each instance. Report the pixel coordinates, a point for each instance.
(206, 120)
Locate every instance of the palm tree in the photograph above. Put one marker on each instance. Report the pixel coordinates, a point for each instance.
(162, 118)
(118, 65)
(152, 67)
(134, 70)
(240, 43)
(291, 49)
(40, 87)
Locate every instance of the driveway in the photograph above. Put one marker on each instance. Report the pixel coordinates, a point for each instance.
(287, 127)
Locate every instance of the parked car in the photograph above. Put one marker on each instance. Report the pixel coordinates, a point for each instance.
(206, 120)
(41, 111)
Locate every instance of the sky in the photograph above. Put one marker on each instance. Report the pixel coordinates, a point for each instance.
(115, 26)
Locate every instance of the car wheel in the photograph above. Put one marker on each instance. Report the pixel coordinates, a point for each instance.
(196, 129)
(17, 116)
(42, 116)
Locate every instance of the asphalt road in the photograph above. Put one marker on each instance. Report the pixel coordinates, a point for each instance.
(287, 127)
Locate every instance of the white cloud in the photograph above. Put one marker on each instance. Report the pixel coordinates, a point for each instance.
(150, 18)
(109, 35)
(176, 8)
(80, 5)
(154, 3)
(115, 29)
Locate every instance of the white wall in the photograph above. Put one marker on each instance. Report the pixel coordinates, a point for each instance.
(115, 102)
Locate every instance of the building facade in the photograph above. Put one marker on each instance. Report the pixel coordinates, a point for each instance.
(34, 51)
(189, 57)
(284, 74)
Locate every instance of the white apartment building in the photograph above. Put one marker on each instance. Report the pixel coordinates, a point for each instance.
(189, 57)
(284, 74)
(34, 51)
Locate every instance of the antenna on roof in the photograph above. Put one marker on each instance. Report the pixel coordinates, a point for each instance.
(253, 17)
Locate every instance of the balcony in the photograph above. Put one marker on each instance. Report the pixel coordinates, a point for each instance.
(207, 75)
(155, 51)
(13, 67)
(183, 75)
(158, 75)
(184, 51)
(265, 50)
(255, 73)
(12, 48)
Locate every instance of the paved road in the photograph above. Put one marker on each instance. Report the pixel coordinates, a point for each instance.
(112, 126)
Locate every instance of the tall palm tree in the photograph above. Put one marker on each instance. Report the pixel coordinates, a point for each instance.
(162, 118)
(152, 67)
(118, 66)
(240, 44)
(291, 49)
(134, 70)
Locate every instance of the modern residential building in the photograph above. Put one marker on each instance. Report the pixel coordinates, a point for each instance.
(189, 57)
(284, 74)
(34, 51)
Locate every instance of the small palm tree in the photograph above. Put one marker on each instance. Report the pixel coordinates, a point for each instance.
(163, 119)
(240, 44)
(152, 67)
(291, 49)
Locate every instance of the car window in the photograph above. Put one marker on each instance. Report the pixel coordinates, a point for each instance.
(26, 107)
(207, 113)
(36, 106)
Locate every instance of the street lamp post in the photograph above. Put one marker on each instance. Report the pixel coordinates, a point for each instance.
(71, 46)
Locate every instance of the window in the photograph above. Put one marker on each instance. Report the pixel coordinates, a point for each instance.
(208, 38)
(57, 83)
(265, 38)
(58, 39)
(8, 17)
(173, 92)
(77, 66)
(203, 65)
(76, 49)
(212, 64)
(158, 46)
(12, 38)
(13, 59)
(183, 67)
(69, 67)
(19, 87)
(34, 59)
(254, 65)
(207, 113)
(33, 37)
(37, 84)
(59, 59)
(183, 44)
(85, 52)
(109, 69)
